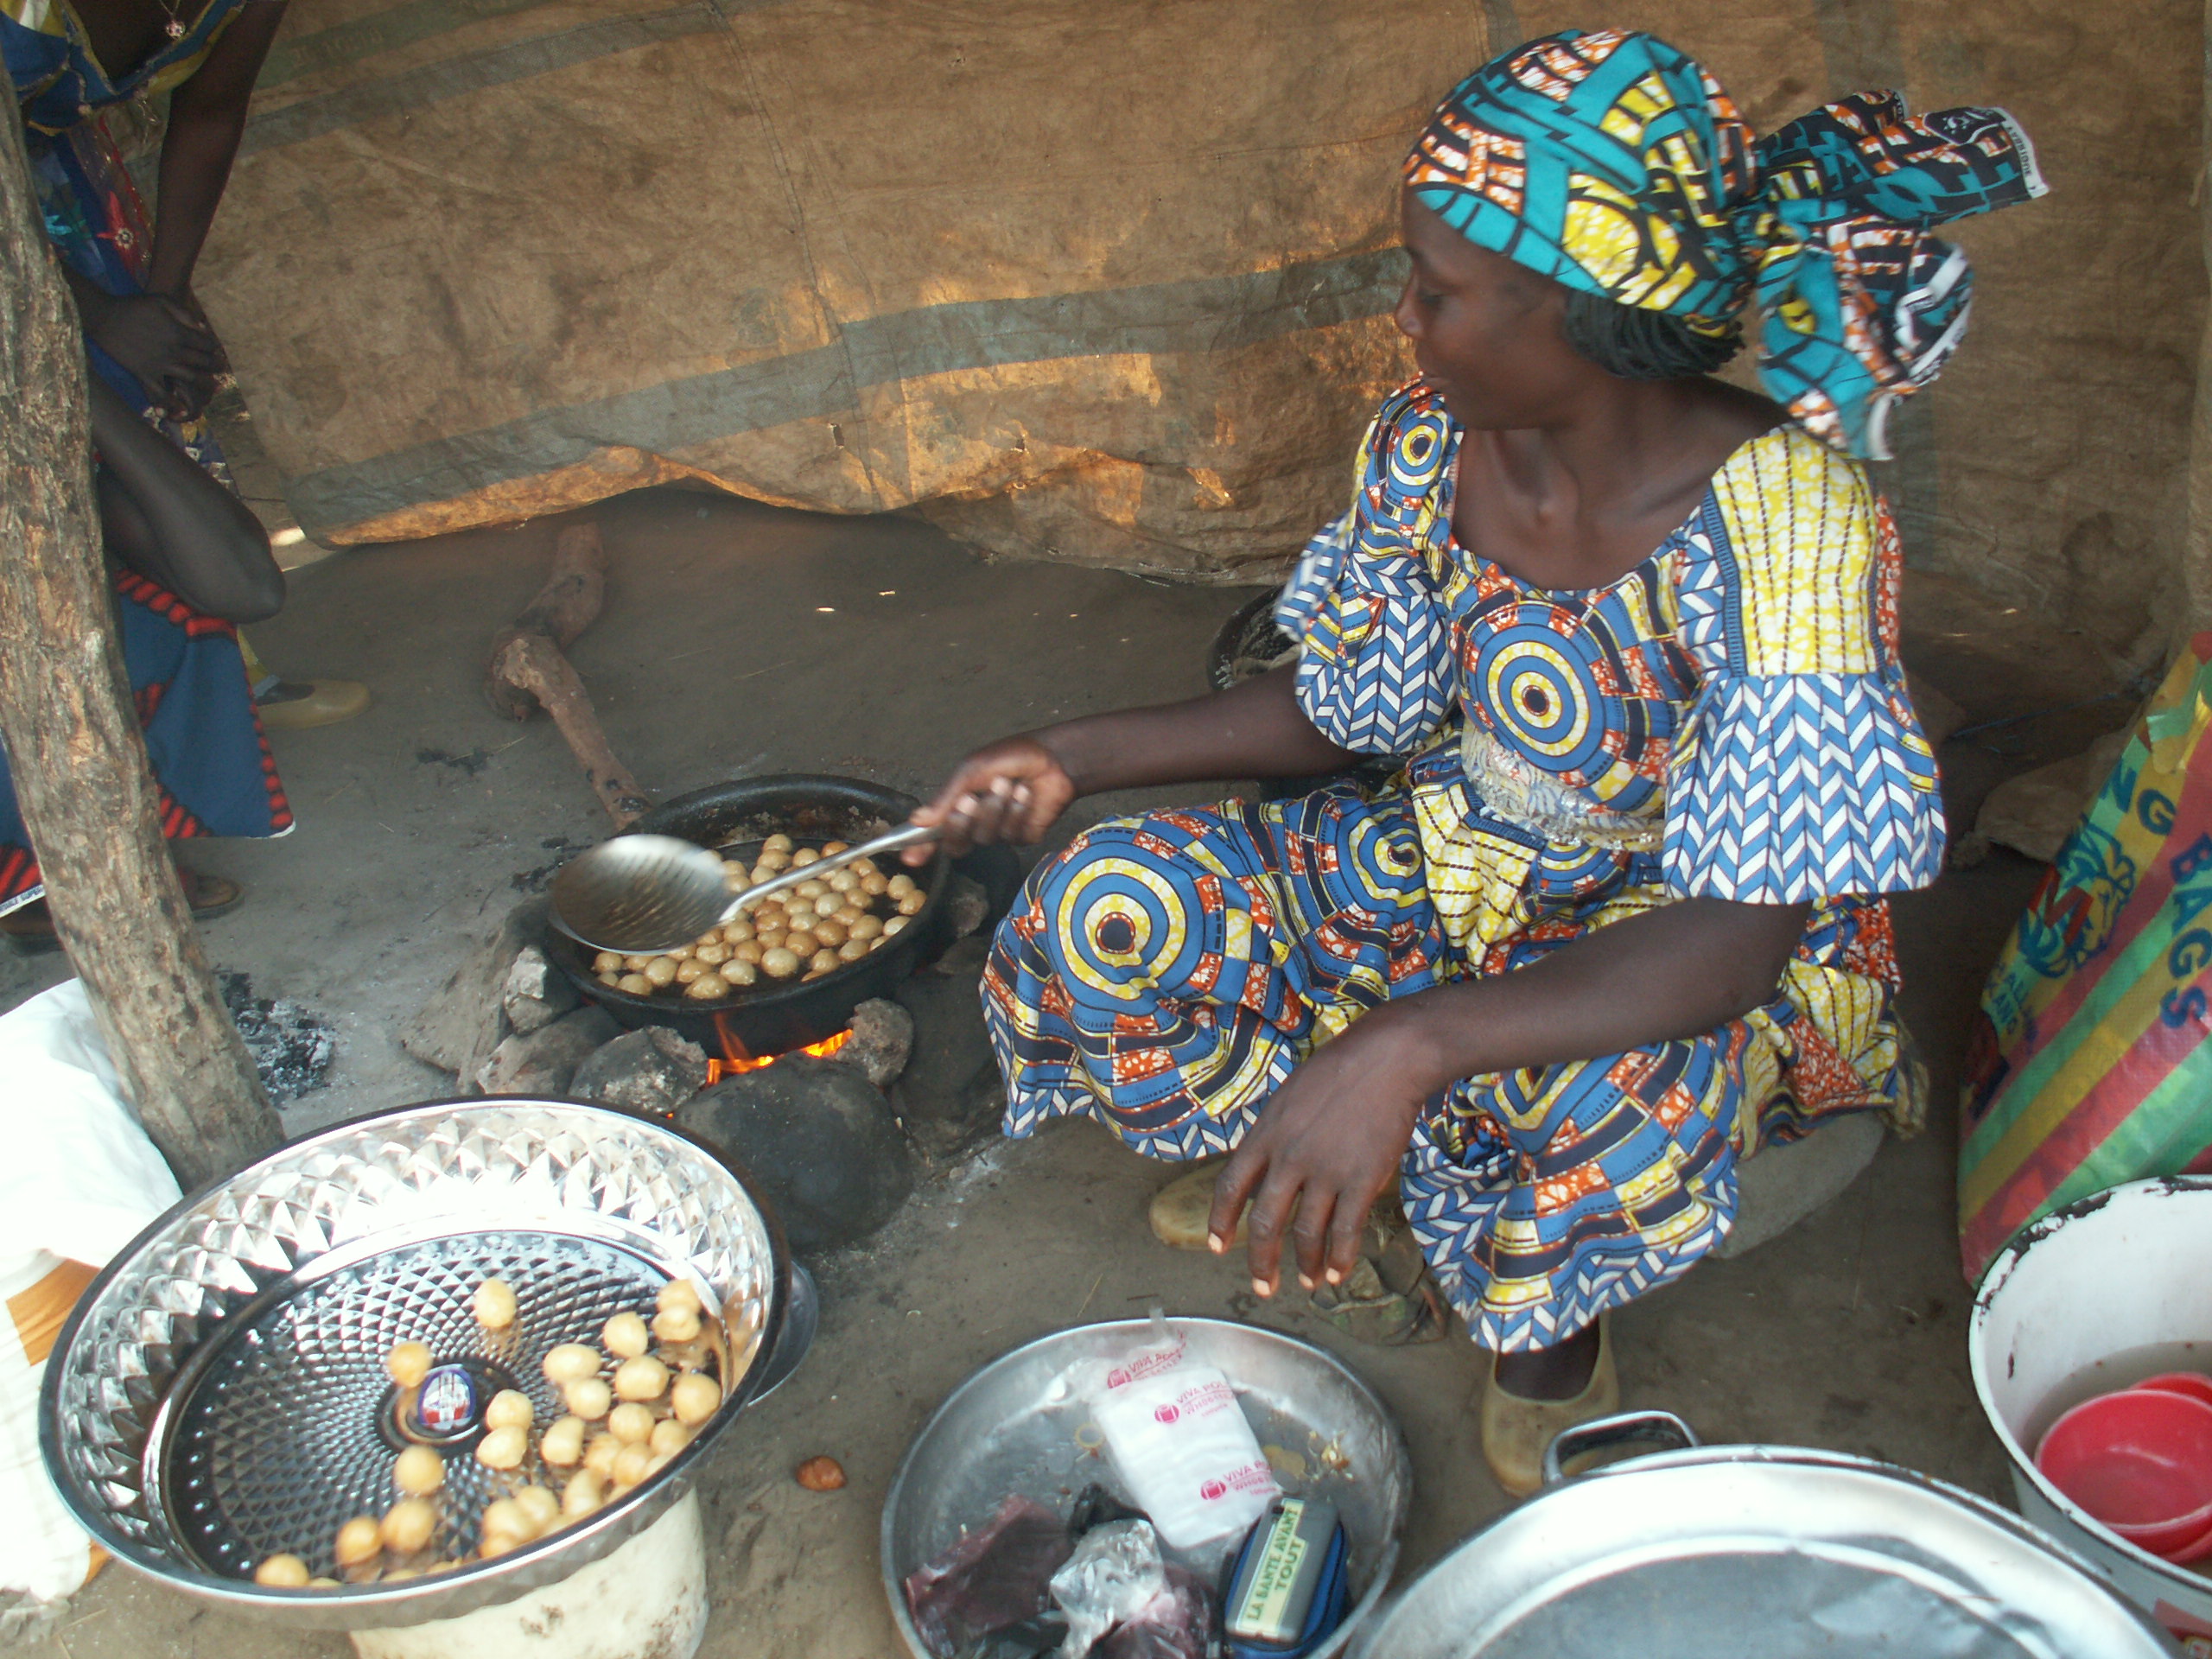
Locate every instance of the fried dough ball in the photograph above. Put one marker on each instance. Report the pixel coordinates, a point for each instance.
(632, 1464)
(804, 856)
(661, 970)
(570, 1362)
(543, 1508)
(686, 972)
(737, 932)
(407, 1524)
(738, 973)
(830, 847)
(770, 938)
(749, 953)
(506, 1518)
(840, 881)
(820, 1475)
(677, 1323)
(504, 1448)
(606, 961)
(864, 927)
(707, 988)
(875, 884)
(494, 1303)
(563, 1443)
(600, 1455)
(824, 961)
(635, 964)
(893, 927)
(830, 932)
(641, 1378)
(779, 963)
(852, 949)
(510, 1409)
(585, 1492)
(670, 1437)
(588, 1397)
(418, 1472)
(631, 1422)
(712, 955)
(801, 943)
(282, 1572)
(778, 843)
(862, 868)
(359, 1541)
(900, 883)
(408, 1364)
(679, 1292)
(909, 902)
(624, 1336)
(613, 981)
(695, 1398)
(635, 984)
(829, 905)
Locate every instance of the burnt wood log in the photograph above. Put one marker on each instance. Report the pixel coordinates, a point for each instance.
(567, 604)
(73, 739)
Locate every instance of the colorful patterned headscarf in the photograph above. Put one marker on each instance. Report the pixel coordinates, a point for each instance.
(1610, 163)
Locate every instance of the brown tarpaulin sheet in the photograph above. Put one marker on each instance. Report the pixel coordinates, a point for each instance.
(1105, 281)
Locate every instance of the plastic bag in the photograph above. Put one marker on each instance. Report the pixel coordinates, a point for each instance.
(1115, 1574)
(1177, 1623)
(1181, 1442)
(994, 1577)
(79, 1180)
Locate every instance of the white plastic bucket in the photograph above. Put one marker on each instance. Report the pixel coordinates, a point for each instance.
(647, 1601)
(2095, 1297)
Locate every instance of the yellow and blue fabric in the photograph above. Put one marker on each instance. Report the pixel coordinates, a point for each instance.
(188, 674)
(59, 79)
(1726, 719)
(1610, 163)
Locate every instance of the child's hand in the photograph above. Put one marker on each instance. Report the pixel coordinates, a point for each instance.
(1011, 790)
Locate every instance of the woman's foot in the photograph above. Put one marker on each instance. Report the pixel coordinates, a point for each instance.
(1517, 1427)
(207, 895)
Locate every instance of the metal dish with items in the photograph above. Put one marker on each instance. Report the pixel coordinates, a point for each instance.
(1754, 1552)
(353, 1328)
(1019, 1432)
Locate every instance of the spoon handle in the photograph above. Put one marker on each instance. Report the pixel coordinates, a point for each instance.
(907, 834)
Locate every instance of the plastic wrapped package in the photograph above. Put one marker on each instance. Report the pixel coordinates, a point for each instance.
(1115, 1574)
(1177, 1623)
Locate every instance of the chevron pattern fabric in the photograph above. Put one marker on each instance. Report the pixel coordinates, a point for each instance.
(1804, 786)
(1727, 718)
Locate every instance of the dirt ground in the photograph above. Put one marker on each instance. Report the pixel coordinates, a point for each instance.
(740, 639)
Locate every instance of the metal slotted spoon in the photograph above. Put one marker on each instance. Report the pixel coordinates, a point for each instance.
(639, 895)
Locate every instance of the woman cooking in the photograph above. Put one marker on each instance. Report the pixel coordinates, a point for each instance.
(1618, 921)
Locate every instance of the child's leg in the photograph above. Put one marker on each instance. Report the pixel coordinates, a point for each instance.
(1164, 974)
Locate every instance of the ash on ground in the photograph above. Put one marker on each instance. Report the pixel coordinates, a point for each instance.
(292, 1046)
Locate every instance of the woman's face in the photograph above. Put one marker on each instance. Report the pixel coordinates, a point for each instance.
(1486, 331)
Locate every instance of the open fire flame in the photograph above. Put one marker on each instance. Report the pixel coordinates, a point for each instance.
(717, 1070)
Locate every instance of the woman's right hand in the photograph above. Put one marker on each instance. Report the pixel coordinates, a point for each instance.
(1011, 790)
(166, 343)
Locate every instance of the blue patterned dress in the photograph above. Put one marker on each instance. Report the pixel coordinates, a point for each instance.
(1727, 719)
(188, 674)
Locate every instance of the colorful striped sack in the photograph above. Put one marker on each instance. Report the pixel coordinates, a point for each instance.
(2089, 1065)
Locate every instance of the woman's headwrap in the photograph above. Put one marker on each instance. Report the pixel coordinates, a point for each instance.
(1610, 163)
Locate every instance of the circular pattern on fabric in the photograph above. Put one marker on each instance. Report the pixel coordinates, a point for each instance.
(1544, 696)
(1417, 455)
(1119, 923)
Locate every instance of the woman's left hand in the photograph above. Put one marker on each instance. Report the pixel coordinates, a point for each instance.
(1326, 1145)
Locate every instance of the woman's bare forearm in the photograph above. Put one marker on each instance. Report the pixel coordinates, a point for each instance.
(1674, 972)
(207, 121)
(1254, 730)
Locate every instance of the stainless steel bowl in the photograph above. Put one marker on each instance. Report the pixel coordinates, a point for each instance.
(1016, 1426)
(218, 1395)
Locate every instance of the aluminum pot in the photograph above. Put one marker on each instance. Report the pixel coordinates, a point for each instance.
(770, 1020)
(2096, 1296)
(1755, 1552)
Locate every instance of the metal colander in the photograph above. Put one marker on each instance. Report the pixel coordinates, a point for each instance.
(219, 1395)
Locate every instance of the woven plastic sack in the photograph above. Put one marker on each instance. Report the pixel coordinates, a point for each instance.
(2088, 1065)
(78, 1182)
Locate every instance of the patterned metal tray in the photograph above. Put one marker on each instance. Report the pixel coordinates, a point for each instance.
(219, 1395)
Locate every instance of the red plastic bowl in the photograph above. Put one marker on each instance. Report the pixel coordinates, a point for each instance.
(2141, 1462)
(2195, 1384)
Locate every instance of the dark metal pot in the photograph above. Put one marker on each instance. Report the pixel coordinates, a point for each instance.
(768, 1020)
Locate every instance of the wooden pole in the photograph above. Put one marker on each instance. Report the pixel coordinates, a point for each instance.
(73, 744)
